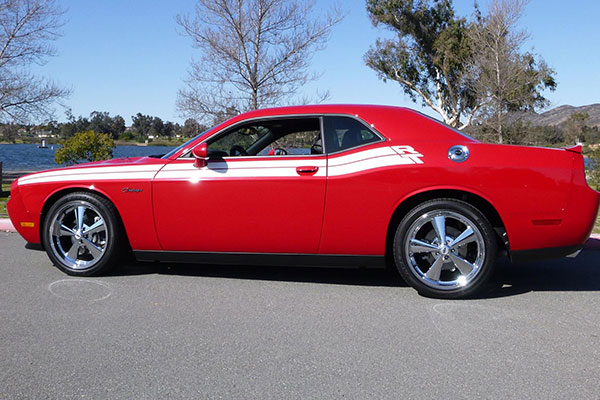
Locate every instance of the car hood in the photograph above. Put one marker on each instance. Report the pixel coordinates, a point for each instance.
(113, 162)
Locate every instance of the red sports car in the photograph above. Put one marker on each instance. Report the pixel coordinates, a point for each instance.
(343, 185)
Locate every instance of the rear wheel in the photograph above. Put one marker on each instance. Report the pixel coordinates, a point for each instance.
(82, 234)
(445, 248)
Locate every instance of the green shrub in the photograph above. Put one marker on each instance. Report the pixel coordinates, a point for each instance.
(592, 169)
(84, 147)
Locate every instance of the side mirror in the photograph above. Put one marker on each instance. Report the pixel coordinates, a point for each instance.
(200, 153)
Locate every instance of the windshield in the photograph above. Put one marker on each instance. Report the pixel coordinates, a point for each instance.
(175, 150)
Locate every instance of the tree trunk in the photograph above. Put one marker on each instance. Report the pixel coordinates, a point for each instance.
(500, 130)
(254, 98)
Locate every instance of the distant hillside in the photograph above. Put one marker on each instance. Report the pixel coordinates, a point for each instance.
(560, 114)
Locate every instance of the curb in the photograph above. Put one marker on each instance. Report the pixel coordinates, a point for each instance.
(6, 225)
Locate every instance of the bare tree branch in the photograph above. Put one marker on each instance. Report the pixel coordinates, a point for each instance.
(26, 29)
(506, 80)
(253, 53)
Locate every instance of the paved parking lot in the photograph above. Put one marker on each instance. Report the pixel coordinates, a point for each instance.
(174, 331)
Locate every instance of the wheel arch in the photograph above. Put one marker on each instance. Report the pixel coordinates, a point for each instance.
(476, 200)
(56, 195)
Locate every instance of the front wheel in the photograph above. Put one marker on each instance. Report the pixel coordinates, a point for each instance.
(82, 234)
(445, 248)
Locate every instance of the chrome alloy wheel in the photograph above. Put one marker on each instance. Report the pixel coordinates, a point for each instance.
(444, 249)
(78, 235)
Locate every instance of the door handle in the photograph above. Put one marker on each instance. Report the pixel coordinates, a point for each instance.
(307, 170)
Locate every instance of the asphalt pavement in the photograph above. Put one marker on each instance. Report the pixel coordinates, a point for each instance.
(154, 331)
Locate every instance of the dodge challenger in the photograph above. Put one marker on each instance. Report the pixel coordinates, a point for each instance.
(327, 185)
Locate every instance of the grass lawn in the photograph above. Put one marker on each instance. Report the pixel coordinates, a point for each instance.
(3, 200)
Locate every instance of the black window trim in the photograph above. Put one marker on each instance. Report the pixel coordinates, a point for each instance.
(187, 155)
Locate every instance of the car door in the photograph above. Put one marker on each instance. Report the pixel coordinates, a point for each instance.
(253, 195)
(359, 187)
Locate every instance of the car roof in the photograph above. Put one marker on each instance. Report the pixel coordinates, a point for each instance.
(319, 109)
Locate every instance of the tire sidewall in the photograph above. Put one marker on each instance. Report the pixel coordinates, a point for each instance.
(108, 214)
(466, 210)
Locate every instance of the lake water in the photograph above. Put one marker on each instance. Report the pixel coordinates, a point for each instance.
(29, 157)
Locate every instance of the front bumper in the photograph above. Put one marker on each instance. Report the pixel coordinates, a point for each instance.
(24, 222)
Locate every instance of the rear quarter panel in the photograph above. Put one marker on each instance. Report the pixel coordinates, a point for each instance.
(524, 184)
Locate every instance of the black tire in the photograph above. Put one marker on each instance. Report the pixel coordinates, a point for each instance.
(83, 251)
(455, 269)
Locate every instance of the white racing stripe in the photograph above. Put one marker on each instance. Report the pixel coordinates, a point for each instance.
(338, 165)
(250, 164)
(241, 169)
(206, 173)
(361, 155)
(368, 165)
(91, 170)
(107, 176)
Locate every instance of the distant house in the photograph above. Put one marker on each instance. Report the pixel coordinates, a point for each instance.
(44, 134)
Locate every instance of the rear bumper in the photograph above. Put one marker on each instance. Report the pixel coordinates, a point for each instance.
(545, 254)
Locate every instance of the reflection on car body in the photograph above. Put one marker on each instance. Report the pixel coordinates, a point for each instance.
(344, 185)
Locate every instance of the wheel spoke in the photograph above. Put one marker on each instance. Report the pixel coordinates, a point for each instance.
(436, 269)
(73, 251)
(439, 224)
(66, 231)
(467, 236)
(62, 230)
(463, 265)
(92, 248)
(96, 227)
(79, 211)
(419, 246)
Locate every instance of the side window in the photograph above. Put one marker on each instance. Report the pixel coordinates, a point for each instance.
(305, 141)
(343, 133)
(237, 141)
(275, 137)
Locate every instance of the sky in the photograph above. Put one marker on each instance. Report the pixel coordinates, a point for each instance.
(128, 56)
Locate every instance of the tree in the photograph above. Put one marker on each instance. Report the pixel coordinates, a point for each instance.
(118, 126)
(10, 132)
(73, 125)
(460, 69)
(592, 166)
(52, 127)
(27, 28)
(168, 129)
(429, 58)
(157, 127)
(191, 128)
(576, 127)
(84, 147)
(101, 122)
(224, 114)
(506, 80)
(142, 124)
(253, 53)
